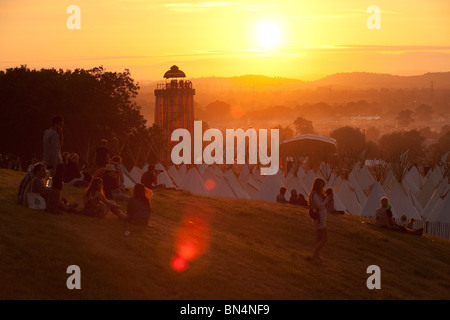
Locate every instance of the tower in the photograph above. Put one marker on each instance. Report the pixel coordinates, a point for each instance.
(174, 105)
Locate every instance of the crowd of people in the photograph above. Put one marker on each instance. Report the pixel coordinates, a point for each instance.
(321, 202)
(41, 188)
(43, 183)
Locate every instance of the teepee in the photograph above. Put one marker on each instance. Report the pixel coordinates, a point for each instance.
(347, 195)
(193, 182)
(441, 211)
(223, 190)
(235, 185)
(373, 201)
(173, 173)
(402, 203)
(163, 179)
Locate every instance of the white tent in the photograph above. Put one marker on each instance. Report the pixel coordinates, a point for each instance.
(163, 179)
(251, 186)
(301, 172)
(211, 180)
(373, 201)
(338, 205)
(222, 189)
(269, 189)
(245, 172)
(359, 193)
(309, 179)
(298, 185)
(347, 195)
(389, 181)
(128, 181)
(401, 201)
(235, 185)
(257, 175)
(412, 182)
(202, 168)
(158, 166)
(173, 173)
(193, 182)
(439, 192)
(364, 178)
(441, 211)
(136, 174)
(182, 171)
(336, 182)
(429, 186)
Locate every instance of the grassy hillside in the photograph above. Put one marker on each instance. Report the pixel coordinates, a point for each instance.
(245, 250)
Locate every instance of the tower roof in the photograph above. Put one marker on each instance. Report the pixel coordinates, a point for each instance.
(174, 72)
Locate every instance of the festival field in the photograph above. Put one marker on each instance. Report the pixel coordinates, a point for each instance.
(226, 249)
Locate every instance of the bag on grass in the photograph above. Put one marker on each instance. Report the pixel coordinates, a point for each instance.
(35, 201)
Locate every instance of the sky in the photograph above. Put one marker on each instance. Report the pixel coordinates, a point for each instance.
(286, 38)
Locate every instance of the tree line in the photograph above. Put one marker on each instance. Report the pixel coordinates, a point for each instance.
(95, 104)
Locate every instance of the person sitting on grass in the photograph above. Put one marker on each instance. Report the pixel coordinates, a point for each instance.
(297, 199)
(35, 184)
(139, 206)
(330, 204)
(96, 204)
(280, 197)
(150, 177)
(384, 219)
(117, 162)
(72, 174)
(23, 183)
(111, 179)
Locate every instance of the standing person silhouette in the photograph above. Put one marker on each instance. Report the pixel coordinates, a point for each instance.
(102, 154)
(318, 201)
(53, 141)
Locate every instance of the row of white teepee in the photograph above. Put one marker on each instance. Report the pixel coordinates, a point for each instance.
(418, 197)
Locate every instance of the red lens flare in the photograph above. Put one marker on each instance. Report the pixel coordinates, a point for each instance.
(179, 264)
(192, 239)
(210, 184)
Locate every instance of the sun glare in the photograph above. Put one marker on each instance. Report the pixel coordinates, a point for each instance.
(268, 33)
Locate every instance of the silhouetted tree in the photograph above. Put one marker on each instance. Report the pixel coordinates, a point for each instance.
(284, 132)
(399, 142)
(303, 126)
(404, 118)
(94, 103)
(350, 141)
(372, 134)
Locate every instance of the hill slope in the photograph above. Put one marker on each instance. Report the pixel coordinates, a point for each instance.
(245, 250)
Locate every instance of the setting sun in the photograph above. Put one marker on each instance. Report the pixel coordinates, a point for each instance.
(269, 34)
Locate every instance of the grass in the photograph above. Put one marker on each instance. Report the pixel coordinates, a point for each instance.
(246, 250)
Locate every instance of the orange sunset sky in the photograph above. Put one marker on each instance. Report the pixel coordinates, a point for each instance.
(287, 38)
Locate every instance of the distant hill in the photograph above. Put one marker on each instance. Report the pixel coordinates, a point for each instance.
(360, 80)
(356, 80)
(256, 92)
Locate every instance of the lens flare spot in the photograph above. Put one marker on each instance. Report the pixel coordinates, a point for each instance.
(192, 237)
(179, 264)
(187, 250)
(210, 184)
